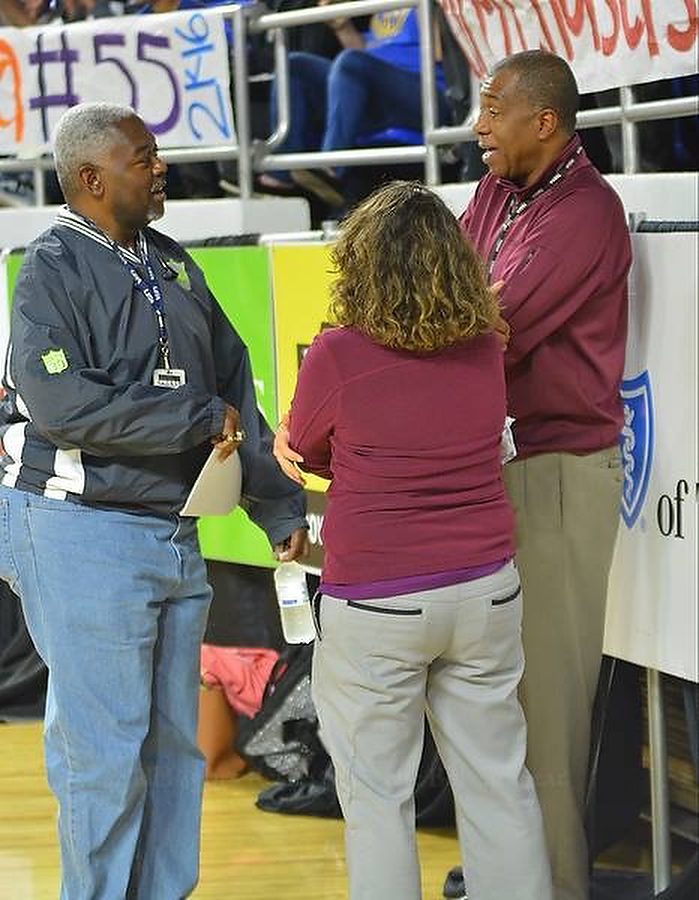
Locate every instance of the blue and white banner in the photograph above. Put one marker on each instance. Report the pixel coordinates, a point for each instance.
(172, 69)
(637, 439)
(652, 614)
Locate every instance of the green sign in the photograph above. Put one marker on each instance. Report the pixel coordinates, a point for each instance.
(14, 261)
(240, 279)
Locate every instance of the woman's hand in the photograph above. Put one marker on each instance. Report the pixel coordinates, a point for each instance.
(287, 458)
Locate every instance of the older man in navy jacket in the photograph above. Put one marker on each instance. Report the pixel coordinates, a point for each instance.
(122, 373)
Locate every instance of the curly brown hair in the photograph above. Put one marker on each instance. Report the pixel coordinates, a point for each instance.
(406, 275)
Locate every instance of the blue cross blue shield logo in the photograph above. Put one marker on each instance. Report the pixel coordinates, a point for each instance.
(636, 440)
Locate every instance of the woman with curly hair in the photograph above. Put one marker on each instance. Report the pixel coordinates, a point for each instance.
(402, 406)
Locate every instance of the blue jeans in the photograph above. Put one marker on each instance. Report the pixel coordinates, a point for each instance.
(116, 604)
(335, 102)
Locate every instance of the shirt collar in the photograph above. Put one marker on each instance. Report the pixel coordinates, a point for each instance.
(569, 150)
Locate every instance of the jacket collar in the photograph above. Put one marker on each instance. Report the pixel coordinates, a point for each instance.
(70, 219)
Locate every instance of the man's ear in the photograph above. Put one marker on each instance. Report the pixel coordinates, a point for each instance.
(90, 177)
(548, 123)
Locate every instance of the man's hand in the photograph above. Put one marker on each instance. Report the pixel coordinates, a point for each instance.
(502, 328)
(344, 29)
(232, 435)
(296, 546)
(287, 458)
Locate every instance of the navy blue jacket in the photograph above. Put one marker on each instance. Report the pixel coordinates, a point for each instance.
(82, 420)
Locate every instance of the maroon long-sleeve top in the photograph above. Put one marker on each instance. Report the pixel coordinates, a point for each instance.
(412, 445)
(565, 262)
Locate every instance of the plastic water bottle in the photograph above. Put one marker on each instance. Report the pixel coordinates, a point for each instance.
(294, 603)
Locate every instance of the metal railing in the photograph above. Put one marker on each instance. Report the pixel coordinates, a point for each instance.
(424, 153)
(260, 156)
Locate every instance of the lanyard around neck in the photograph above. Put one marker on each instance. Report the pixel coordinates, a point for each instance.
(151, 290)
(148, 286)
(517, 207)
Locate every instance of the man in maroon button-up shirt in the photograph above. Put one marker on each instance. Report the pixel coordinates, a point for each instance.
(550, 228)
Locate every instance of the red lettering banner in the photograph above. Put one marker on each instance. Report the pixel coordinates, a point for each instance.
(608, 43)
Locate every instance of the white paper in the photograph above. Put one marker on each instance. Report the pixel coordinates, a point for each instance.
(217, 489)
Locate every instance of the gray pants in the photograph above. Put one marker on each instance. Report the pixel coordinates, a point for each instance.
(567, 518)
(454, 653)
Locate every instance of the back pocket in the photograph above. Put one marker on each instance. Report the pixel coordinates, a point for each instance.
(383, 610)
(508, 599)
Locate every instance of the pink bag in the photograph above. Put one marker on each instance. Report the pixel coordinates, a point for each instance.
(242, 673)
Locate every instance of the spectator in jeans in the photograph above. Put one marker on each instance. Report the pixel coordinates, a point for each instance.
(123, 373)
(373, 84)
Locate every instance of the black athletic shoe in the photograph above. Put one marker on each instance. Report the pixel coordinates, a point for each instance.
(305, 797)
(454, 887)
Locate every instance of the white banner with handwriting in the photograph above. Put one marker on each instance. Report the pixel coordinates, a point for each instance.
(607, 43)
(172, 69)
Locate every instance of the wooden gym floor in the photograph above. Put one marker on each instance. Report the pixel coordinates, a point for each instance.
(246, 854)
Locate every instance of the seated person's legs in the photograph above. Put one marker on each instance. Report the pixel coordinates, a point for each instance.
(308, 83)
(368, 94)
(365, 94)
(233, 681)
(216, 733)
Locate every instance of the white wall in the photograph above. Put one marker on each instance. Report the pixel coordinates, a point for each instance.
(184, 220)
(661, 195)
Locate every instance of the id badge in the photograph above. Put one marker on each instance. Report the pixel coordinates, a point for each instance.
(169, 378)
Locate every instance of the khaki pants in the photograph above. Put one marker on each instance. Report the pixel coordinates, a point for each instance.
(567, 516)
(455, 653)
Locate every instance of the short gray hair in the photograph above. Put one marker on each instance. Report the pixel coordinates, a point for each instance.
(83, 135)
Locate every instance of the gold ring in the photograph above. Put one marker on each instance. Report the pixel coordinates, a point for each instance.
(240, 435)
